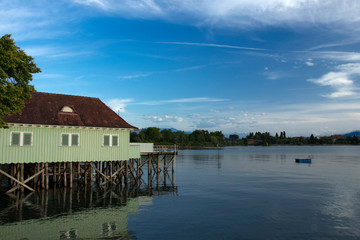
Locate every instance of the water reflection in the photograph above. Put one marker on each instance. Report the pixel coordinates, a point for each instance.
(78, 213)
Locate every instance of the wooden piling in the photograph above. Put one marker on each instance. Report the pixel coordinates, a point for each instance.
(71, 174)
(42, 175)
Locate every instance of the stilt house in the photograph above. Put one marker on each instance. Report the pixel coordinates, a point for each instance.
(65, 128)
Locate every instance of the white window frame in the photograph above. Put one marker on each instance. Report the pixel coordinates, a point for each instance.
(69, 139)
(21, 140)
(110, 140)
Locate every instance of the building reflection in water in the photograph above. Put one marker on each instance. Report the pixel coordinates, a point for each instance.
(80, 212)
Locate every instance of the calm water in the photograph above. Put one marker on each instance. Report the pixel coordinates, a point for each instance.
(231, 193)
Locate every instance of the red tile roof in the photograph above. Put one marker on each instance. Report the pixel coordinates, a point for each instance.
(46, 109)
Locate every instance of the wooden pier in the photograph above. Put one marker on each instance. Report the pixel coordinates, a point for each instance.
(34, 176)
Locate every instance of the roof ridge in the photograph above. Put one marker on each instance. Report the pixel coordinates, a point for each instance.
(72, 95)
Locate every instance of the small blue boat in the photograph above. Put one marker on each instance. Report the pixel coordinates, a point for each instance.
(303, 160)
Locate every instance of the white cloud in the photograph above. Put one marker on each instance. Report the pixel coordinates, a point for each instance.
(236, 13)
(134, 76)
(341, 81)
(165, 118)
(118, 105)
(213, 45)
(184, 100)
(338, 55)
(309, 63)
(54, 52)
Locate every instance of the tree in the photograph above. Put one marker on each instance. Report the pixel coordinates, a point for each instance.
(153, 134)
(16, 69)
(234, 138)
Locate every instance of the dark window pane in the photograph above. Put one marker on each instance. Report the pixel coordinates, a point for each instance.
(65, 140)
(106, 140)
(114, 140)
(15, 139)
(74, 140)
(27, 139)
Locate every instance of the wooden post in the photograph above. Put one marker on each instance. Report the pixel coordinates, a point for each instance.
(85, 174)
(78, 172)
(71, 175)
(158, 164)
(47, 175)
(59, 173)
(126, 179)
(120, 173)
(22, 175)
(54, 174)
(111, 170)
(43, 176)
(91, 174)
(150, 171)
(18, 172)
(36, 166)
(173, 162)
(65, 167)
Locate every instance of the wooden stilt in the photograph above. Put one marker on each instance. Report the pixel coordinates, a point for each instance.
(78, 172)
(158, 164)
(43, 176)
(47, 175)
(71, 175)
(165, 162)
(59, 173)
(126, 178)
(91, 174)
(85, 172)
(22, 175)
(111, 171)
(65, 167)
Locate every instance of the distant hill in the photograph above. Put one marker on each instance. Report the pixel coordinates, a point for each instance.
(172, 129)
(351, 134)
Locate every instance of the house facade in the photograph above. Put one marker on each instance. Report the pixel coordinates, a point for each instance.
(65, 128)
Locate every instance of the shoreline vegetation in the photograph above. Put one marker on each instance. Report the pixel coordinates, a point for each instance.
(204, 138)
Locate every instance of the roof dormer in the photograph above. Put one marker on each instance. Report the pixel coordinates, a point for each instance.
(67, 109)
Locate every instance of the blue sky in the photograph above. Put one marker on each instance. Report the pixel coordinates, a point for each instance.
(230, 65)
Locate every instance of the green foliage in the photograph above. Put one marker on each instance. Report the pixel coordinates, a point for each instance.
(168, 137)
(206, 138)
(16, 69)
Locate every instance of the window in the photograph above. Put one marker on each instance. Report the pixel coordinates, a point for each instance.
(67, 109)
(110, 140)
(21, 139)
(70, 139)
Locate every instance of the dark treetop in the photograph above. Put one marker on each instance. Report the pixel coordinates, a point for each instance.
(16, 69)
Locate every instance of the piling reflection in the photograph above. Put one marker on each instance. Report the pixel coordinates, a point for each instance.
(80, 212)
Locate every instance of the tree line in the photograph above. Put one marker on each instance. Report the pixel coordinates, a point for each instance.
(168, 137)
(217, 138)
(266, 139)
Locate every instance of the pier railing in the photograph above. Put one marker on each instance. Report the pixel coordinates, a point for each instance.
(165, 148)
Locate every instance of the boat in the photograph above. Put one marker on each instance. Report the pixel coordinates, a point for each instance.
(303, 160)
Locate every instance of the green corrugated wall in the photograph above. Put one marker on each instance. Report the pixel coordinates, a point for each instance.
(134, 152)
(47, 147)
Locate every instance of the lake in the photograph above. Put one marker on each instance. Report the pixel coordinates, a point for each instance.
(225, 193)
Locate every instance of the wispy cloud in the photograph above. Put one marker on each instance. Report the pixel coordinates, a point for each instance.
(135, 76)
(165, 118)
(337, 55)
(341, 81)
(147, 74)
(118, 105)
(310, 63)
(54, 52)
(213, 45)
(233, 13)
(184, 100)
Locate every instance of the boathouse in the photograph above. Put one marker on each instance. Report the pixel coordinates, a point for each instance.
(63, 130)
